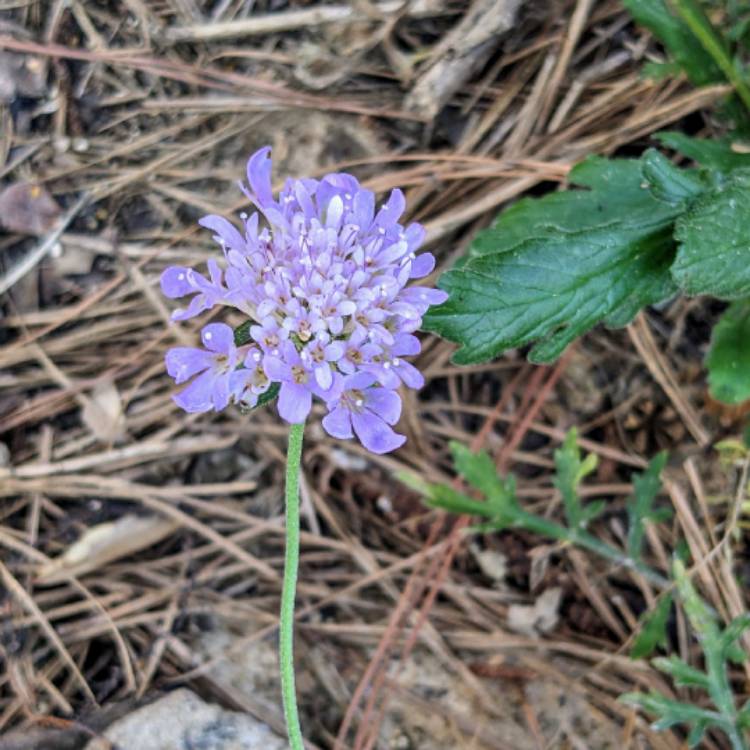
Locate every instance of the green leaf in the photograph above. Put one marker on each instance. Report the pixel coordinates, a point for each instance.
(713, 154)
(479, 470)
(669, 183)
(696, 733)
(570, 471)
(701, 617)
(660, 71)
(653, 633)
(671, 711)
(714, 252)
(732, 633)
(728, 359)
(445, 497)
(677, 37)
(641, 506)
(550, 269)
(682, 673)
(270, 395)
(242, 333)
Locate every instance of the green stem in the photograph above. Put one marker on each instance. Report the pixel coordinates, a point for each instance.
(545, 527)
(712, 41)
(291, 563)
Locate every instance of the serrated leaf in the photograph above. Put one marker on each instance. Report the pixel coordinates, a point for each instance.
(640, 508)
(570, 471)
(550, 269)
(714, 154)
(653, 633)
(683, 674)
(714, 244)
(479, 470)
(728, 359)
(571, 211)
(677, 37)
(669, 183)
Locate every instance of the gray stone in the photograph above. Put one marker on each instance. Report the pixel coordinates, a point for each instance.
(182, 721)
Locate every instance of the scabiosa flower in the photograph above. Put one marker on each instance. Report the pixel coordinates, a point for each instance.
(220, 380)
(322, 276)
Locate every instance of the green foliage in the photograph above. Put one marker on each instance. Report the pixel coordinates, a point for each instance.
(719, 647)
(719, 155)
(571, 471)
(641, 505)
(677, 37)
(627, 234)
(561, 279)
(714, 251)
(500, 508)
(552, 268)
(653, 631)
(728, 359)
(494, 499)
(706, 54)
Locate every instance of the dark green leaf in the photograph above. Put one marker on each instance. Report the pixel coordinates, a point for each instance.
(552, 268)
(270, 395)
(265, 398)
(714, 252)
(714, 154)
(653, 632)
(728, 359)
(242, 333)
(670, 183)
(677, 37)
(641, 505)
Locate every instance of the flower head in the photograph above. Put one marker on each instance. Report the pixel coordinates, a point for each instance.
(324, 284)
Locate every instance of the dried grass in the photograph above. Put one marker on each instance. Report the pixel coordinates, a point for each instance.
(151, 108)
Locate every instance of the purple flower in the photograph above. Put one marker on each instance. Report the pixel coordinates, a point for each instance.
(219, 380)
(321, 273)
(319, 353)
(367, 411)
(298, 383)
(392, 369)
(177, 281)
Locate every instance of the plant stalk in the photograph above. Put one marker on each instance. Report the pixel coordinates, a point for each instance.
(713, 42)
(288, 591)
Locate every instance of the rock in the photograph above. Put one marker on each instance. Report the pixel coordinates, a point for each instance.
(182, 721)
